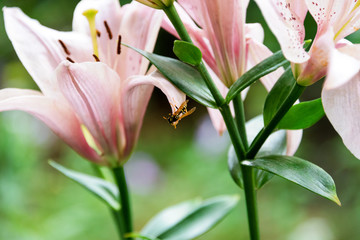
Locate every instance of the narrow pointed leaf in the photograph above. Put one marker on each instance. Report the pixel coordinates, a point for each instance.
(102, 189)
(299, 171)
(278, 94)
(190, 219)
(302, 115)
(187, 52)
(263, 68)
(183, 76)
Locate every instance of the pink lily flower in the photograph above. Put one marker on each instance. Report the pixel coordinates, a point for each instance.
(335, 20)
(93, 93)
(229, 46)
(329, 55)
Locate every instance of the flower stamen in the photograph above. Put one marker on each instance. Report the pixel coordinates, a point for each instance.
(66, 50)
(108, 30)
(70, 60)
(90, 15)
(118, 48)
(96, 58)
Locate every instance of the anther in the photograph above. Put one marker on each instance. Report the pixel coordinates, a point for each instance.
(70, 60)
(108, 30)
(98, 33)
(66, 50)
(118, 49)
(96, 58)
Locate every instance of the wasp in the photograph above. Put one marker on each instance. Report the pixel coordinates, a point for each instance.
(179, 114)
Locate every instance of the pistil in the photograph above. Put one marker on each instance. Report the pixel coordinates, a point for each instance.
(90, 15)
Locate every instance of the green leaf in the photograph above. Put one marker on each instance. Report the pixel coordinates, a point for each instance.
(302, 115)
(275, 144)
(104, 190)
(263, 68)
(278, 94)
(187, 52)
(189, 219)
(183, 76)
(299, 171)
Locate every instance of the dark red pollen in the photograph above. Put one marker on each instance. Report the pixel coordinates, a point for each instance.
(108, 30)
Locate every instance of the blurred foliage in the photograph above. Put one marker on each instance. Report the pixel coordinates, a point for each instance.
(168, 166)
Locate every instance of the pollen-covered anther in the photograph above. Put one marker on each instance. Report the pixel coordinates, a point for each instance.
(66, 50)
(108, 30)
(96, 58)
(70, 60)
(118, 48)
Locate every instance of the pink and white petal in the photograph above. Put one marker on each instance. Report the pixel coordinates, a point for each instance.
(293, 140)
(93, 91)
(109, 11)
(257, 52)
(329, 12)
(217, 120)
(254, 31)
(225, 29)
(314, 69)
(39, 49)
(342, 106)
(194, 10)
(343, 67)
(287, 26)
(135, 98)
(139, 27)
(57, 115)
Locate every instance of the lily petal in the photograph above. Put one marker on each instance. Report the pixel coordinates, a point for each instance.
(39, 49)
(147, 22)
(93, 90)
(135, 98)
(285, 19)
(57, 115)
(342, 101)
(344, 65)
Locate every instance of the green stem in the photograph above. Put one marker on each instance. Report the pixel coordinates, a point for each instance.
(124, 200)
(251, 201)
(237, 139)
(116, 214)
(247, 173)
(240, 118)
(259, 140)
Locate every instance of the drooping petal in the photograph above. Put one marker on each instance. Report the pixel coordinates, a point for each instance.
(286, 21)
(139, 28)
(39, 48)
(135, 98)
(293, 140)
(57, 115)
(341, 100)
(93, 90)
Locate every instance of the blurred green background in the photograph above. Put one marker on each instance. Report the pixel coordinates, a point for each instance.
(168, 166)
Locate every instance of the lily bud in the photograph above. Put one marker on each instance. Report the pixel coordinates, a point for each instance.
(157, 4)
